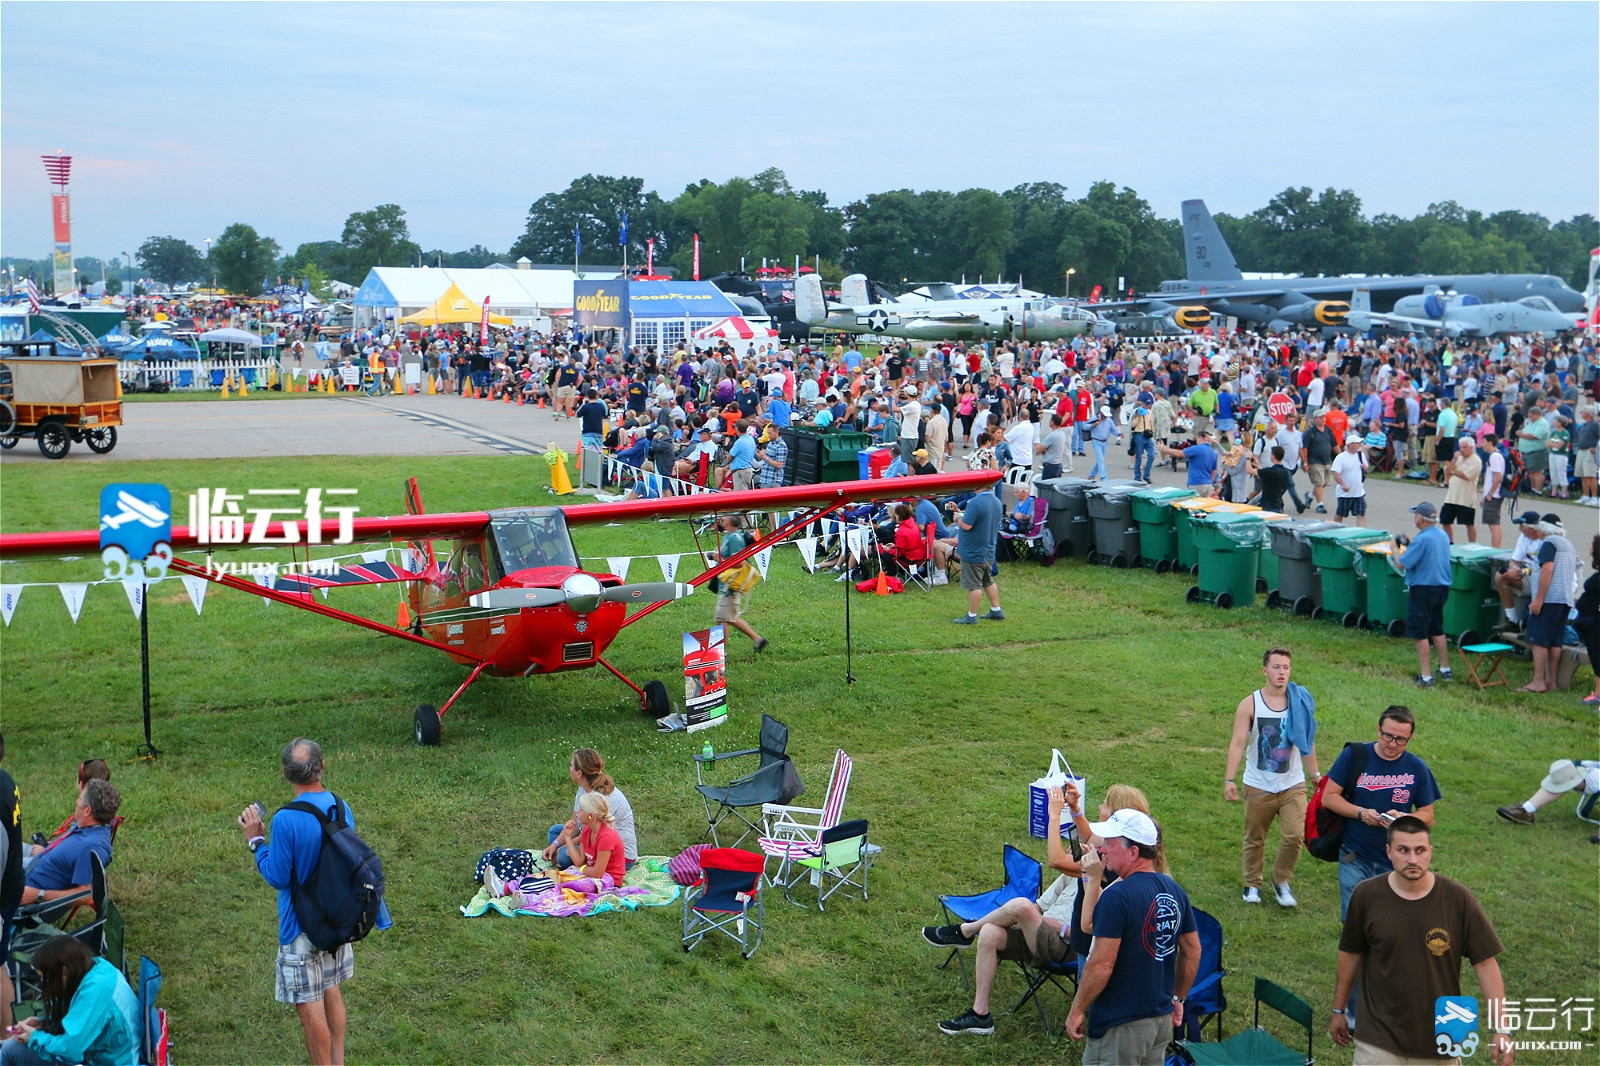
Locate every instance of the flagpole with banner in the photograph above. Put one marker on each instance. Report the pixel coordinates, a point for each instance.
(577, 245)
(483, 331)
(697, 257)
(622, 239)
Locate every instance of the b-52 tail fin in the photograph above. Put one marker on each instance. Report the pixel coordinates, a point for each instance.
(1206, 254)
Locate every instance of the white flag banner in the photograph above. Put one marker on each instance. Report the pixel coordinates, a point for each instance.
(808, 552)
(73, 592)
(324, 591)
(9, 595)
(196, 588)
(669, 566)
(368, 557)
(269, 579)
(852, 540)
(763, 560)
(297, 373)
(135, 591)
(619, 565)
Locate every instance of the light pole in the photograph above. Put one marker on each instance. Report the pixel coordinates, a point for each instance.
(208, 263)
(1070, 271)
(127, 263)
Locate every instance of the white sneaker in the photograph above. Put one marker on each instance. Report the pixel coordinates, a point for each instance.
(492, 882)
(1285, 897)
(1252, 895)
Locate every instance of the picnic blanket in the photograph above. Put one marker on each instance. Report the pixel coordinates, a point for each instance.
(648, 884)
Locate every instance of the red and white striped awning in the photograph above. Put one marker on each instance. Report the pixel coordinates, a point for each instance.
(735, 328)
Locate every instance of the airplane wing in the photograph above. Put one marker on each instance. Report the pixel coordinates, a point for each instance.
(336, 576)
(793, 497)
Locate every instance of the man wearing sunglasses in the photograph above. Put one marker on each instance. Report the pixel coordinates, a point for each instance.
(1393, 782)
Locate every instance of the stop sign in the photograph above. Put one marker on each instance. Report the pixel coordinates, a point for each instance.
(1281, 407)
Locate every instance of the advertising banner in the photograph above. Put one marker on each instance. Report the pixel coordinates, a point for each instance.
(705, 678)
(600, 304)
(61, 215)
(63, 269)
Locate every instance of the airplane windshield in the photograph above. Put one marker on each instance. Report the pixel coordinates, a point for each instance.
(536, 539)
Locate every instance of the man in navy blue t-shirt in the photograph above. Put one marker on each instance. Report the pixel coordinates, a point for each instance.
(1145, 954)
(1393, 782)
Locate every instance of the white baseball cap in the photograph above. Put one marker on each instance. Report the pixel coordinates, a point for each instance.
(1130, 825)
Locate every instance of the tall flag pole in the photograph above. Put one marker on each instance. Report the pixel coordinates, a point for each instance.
(577, 245)
(697, 257)
(59, 168)
(622, 239)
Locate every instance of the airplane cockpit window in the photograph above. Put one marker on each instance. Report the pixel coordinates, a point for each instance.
(464, 572)
(532, 541)
(1538, 303)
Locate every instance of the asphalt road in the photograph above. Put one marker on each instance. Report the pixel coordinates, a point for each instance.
(451, 425)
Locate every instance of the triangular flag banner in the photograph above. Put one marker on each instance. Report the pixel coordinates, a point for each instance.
(852, 540)
(763, 560)
(73, 593)
(808, 551)
(619, 565)
(196, 588)
(324, 591)
(135, 591)
(669, 566)
(268, 579)
(368, 557)
(9, 595)
(297, 373)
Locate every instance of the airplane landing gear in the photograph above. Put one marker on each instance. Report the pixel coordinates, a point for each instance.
(427, 726)
(654, 700)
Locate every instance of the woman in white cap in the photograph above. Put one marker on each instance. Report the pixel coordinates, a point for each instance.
(1566, 775)
(1105, 427)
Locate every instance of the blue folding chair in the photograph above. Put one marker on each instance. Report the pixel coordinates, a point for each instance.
(726, 899)
(1039, 976)
(1205, 1000)
(152, 1019)
(1024, 877)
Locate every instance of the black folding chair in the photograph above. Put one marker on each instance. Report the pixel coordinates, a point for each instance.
(1038, 976)
(774, 781)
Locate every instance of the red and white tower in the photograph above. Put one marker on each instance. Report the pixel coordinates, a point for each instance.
(58, 168)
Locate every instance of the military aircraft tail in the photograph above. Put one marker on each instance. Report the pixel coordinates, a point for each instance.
(853, 290)
(810, 306)
(1206, 253)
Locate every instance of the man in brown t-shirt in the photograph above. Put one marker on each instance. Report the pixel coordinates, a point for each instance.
(1404, 937)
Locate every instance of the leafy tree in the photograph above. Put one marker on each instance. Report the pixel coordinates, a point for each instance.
(596, 203)
(113, 284)
(379, 237)
(241, 257)
(328, 257)
(981, 227)
(1324, 234)
(1039, 218)
(473, 258)
(170, 260)
(886, 233)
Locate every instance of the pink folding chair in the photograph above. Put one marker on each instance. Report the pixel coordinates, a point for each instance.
(795, 833)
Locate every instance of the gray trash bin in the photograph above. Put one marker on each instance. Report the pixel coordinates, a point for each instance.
(1116, 534)
(1068, 519)
(1299, 582)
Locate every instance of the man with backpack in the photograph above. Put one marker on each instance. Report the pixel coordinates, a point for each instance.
(330, 894)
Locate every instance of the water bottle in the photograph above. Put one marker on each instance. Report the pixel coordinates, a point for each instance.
(706, 752)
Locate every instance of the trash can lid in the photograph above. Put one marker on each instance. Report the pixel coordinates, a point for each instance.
(1163, 493)
(1300, 528)
(1355, 535)
(1198, 503)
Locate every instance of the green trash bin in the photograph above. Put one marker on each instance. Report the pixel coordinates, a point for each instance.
(1183, 512)
(1158, 539)
(1337, 554)
(1472, 609)
(1387, 599)
(840, 455)
(1228, 547)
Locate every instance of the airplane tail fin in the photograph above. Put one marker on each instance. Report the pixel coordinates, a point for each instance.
(1207, 254)
(1360, 315)
(853, 290)
(413, 497)
(810, 306)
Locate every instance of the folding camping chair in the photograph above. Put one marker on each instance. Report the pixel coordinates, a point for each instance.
(774, 781)
(722, 900)
(790, 835)
(843, 854)
(1039, 976)
(919, 572)
(1205, 1000)
(1034, 543)
(1255, 1046)
(1024, 876)
(153, 1020)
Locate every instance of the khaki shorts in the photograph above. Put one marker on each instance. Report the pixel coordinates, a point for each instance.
(1583, 463)
(1048, 947)
(1137, 1043)
(1321, 476)
(1371, 1055)
(565, 392)
(305, 974)
(744, 479)
(730, 607)
(975, 576)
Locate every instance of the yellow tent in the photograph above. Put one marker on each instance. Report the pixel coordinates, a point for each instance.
(451, 309)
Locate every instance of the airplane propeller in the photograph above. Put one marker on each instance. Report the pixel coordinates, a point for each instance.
(582, 597)
(648, 592)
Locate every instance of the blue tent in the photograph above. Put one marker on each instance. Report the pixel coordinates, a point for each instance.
(156, 346)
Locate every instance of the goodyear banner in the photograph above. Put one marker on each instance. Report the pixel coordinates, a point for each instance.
(705, 678)
(600, 304)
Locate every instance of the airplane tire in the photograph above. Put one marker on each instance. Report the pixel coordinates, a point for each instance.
(427, 726)
(655, 701)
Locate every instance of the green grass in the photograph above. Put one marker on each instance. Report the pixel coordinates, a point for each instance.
(946, 724)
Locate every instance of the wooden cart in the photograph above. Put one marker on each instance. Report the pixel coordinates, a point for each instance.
(57, 400)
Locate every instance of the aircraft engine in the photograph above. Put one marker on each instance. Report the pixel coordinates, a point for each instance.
(1321, 312)
(1191, 317)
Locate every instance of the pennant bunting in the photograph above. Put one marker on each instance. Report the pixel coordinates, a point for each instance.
(73, 593)
(808, 552)
(372, 557)
(763, 560)
(619, 565)
(9, 595)
(269, 579)
(135, 591)
(196, 588)
(669, 566)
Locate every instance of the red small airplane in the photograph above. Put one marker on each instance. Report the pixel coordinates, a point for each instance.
(510, 598)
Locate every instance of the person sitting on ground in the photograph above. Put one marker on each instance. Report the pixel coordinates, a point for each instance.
(91, 1015)
(588, 772)
(64, 868)
(88, 770)
(1565, 775)
(645, 485)
(600, 847)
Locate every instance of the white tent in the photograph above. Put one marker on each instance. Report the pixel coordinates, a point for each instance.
(229, 335)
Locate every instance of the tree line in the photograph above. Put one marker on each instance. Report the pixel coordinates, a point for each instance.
(1036, 232)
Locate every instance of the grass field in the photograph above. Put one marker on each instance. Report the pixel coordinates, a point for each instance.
(947, 725)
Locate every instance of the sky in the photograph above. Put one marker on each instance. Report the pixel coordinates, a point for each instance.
(184, 118)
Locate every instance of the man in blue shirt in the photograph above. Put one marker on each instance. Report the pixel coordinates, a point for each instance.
(1391, 783)
(592, 418)
(980, 528)
(306, 977)
(1427, 567)
(742, 457)
(1145, 953)
(1202, 460)
(65, 867)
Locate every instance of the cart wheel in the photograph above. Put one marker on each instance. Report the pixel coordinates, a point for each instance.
(1361, 621)
(1349, 620)
(1469, 637)
(427, 726)
(55, 441)
(1305, 607)
(654, 701)
(101, 439)
(1193, 595)
(1136, 562)
(1261, 584)
(1225, 600)
(1317, 612)
(1164, 566)
(1274, 600)
(1119, 562)
(8, 442)
(8, 418)
(1397, 628)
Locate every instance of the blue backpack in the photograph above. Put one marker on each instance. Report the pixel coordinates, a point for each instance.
(339, 902)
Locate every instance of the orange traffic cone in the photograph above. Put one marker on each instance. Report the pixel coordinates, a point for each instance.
(507, 392)
(882, 588)
(541, 403)
(520, 400)
(403, 621)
